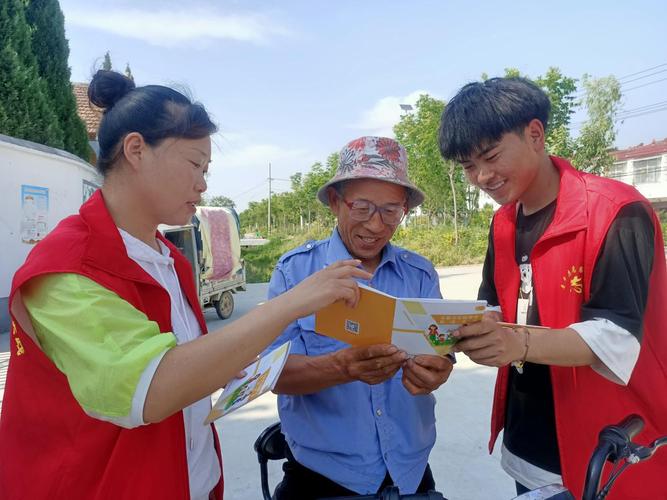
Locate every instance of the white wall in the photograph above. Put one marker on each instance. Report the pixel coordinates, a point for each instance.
(21, 164)
(655, 190)
(484, 199)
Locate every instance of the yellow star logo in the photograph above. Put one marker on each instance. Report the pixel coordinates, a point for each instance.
(572, 280)
(19, 345)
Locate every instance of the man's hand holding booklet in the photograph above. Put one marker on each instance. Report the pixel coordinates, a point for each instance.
(414, 325)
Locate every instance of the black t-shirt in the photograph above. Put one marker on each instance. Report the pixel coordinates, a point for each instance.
(619, 290)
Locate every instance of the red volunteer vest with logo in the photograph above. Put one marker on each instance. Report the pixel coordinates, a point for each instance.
(563, 261)
(49, 448)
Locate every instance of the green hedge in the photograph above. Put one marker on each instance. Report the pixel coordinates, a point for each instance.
(260, 261)
(438, 243)
(434, 243)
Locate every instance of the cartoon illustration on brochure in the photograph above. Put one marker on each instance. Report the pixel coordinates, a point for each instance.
(434, 328)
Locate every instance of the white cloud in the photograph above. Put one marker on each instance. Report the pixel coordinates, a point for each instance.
(381, 118)
(169, 28)
(239, 167)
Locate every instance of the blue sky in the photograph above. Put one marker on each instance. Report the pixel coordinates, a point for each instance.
(291, 82)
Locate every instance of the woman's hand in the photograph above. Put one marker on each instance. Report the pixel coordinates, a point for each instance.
(335, 282)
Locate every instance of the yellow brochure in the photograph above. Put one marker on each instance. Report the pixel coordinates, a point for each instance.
(416, 326)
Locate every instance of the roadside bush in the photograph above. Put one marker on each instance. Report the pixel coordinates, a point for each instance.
(260, 261)
(438, 243)
(434, 243)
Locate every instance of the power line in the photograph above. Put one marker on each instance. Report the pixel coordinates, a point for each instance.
(633, 112)
(644, 108)
(642, 77)
(246, 196)
(250, 189)
(623, 118)
(645, 85)
(642, 71)
(642, 111)
(581, 92)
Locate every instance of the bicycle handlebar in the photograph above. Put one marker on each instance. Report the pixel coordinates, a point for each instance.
(614, 442)
(630, 426)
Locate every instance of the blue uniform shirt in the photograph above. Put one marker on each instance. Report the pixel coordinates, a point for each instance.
(354, 433)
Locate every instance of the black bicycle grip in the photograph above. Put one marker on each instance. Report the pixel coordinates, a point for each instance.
(631, 425)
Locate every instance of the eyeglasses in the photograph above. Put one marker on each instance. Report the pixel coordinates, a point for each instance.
(362, 211)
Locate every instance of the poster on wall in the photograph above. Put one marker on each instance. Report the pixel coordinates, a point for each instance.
(88, 189)
(35, 213)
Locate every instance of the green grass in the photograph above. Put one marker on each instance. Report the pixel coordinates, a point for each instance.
(438, 244)
(260, 261)
(434, 243)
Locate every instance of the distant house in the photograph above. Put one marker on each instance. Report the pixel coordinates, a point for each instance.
(91, 116)
(645, 167)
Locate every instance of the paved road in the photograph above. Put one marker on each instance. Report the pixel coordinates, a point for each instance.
(462, 467)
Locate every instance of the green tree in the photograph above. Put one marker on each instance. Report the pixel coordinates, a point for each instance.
(597, 136)
(51, 51)
(298, 209)
(106, 65)
(441, 181)
(128, 72)
(560, 90)
(590, 150)
(26, 111)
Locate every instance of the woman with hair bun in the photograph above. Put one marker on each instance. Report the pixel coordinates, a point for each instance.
(110, 371)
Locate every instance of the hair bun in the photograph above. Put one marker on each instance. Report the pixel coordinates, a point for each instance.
(108, 87)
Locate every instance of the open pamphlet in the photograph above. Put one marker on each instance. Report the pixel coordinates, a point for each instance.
(416, 326)
(261, 376)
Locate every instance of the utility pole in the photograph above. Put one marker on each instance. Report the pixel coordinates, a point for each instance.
(268, 217)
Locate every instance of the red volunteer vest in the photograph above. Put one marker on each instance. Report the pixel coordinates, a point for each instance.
(49, 448)
(563, 261)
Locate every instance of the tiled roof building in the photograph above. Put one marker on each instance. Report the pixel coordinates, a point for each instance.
(89, 113)
(645, 167)
(655, 148)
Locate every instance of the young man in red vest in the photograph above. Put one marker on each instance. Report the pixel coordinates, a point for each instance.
(581, 255)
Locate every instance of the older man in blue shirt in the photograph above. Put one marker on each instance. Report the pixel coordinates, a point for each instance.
(357, 419)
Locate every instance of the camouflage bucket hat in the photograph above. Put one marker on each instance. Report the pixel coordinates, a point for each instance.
(378, 158)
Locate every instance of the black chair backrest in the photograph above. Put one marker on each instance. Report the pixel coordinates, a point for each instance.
(270, 445)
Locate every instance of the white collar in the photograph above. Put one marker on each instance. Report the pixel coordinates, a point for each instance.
(138, 250)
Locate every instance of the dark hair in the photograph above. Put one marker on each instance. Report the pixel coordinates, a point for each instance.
(482, 112)
(154, 111)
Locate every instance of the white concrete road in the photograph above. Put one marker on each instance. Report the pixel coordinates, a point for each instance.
(462, 467)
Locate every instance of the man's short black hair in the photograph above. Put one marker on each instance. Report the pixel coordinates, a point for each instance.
(482, 112)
